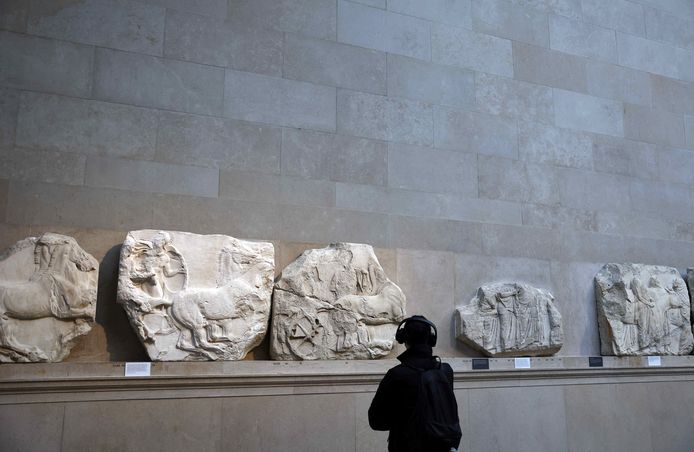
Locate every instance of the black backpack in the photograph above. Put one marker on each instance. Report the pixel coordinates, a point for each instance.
(434, 424)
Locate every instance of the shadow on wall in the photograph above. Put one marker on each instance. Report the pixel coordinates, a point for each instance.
(121, 342)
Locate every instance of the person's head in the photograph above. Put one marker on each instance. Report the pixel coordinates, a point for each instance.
(416, 330)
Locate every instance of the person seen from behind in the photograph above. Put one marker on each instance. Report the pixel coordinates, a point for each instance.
(415, 400)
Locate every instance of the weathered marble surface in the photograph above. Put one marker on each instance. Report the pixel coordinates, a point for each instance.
(511, 319)
(335, 303)
(48, 288)
(196, 297)
(643, 310)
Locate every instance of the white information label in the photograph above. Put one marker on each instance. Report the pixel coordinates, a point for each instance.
(522, 363)
(138, 369)
(654, 361)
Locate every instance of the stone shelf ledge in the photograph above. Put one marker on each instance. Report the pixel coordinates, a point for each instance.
(33, 383)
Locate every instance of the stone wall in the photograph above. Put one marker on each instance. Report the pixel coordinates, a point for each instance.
(499, 139)
(468, 140)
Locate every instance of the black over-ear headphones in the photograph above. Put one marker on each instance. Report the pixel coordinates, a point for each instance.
(401, 333)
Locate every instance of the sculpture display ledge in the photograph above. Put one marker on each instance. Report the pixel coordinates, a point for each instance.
(58, 376)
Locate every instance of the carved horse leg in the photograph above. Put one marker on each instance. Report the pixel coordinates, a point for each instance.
(8, 341)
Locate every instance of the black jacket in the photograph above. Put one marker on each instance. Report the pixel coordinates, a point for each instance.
(396, 396)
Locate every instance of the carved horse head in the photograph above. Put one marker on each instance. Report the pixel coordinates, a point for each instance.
(60, 259)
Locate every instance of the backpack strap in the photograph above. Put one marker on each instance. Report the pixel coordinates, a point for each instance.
(419, 369)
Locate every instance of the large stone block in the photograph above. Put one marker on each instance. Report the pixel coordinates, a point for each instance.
(620, 15)
(334, 64)
(583, 189)
(42, 166)
(335, 303)
(383, 30)
(583, 39)
(218, 143)
(341, 158)
(275, 189)
(689, 130)
(507, 20)
(509, 97)
(626, 157)
(646, 55)
(241, 429)
(13, 15)
(384, 118)
(150, 81)
(317, 18)
(432, 170)
(511, 319)
(559, 217)
(670, 199)
(653, 125)
(546, 144)
(617, 82)
(567, 8)
(451, 12)
(186, 423)
(675, 165)
(47, 298)
(214, 8)
(129, 26)
(394, 201)
(643, 310)
(153, 177)
(9, 108)
(28, 62)
(475, 132)
(673, 95)
(515, 408)
(464, 48)
(521, 241)
(679, 7)
(634, 225)
(419, 80)
(593, 114)
(547, 67)
(65, 124)
(32, 426)
(212, 41)
(436, 205)
(191, 297)
(35, 203)
(435, 234)
(260, 98)
(512, 180)
(674, 29)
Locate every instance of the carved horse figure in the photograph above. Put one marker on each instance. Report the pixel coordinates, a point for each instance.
(63, 286)
(199, 313)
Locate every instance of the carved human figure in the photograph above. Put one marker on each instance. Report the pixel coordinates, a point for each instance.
(643, 309)
(221, 320)
(335, 302)
(511, 319)
(60, 285)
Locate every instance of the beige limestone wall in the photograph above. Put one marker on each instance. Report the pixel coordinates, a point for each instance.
(468, 140)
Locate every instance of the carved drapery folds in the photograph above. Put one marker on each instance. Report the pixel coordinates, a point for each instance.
(335, 303)
(48, 287)
(511, 319)
(643, 310)
(196, 297)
